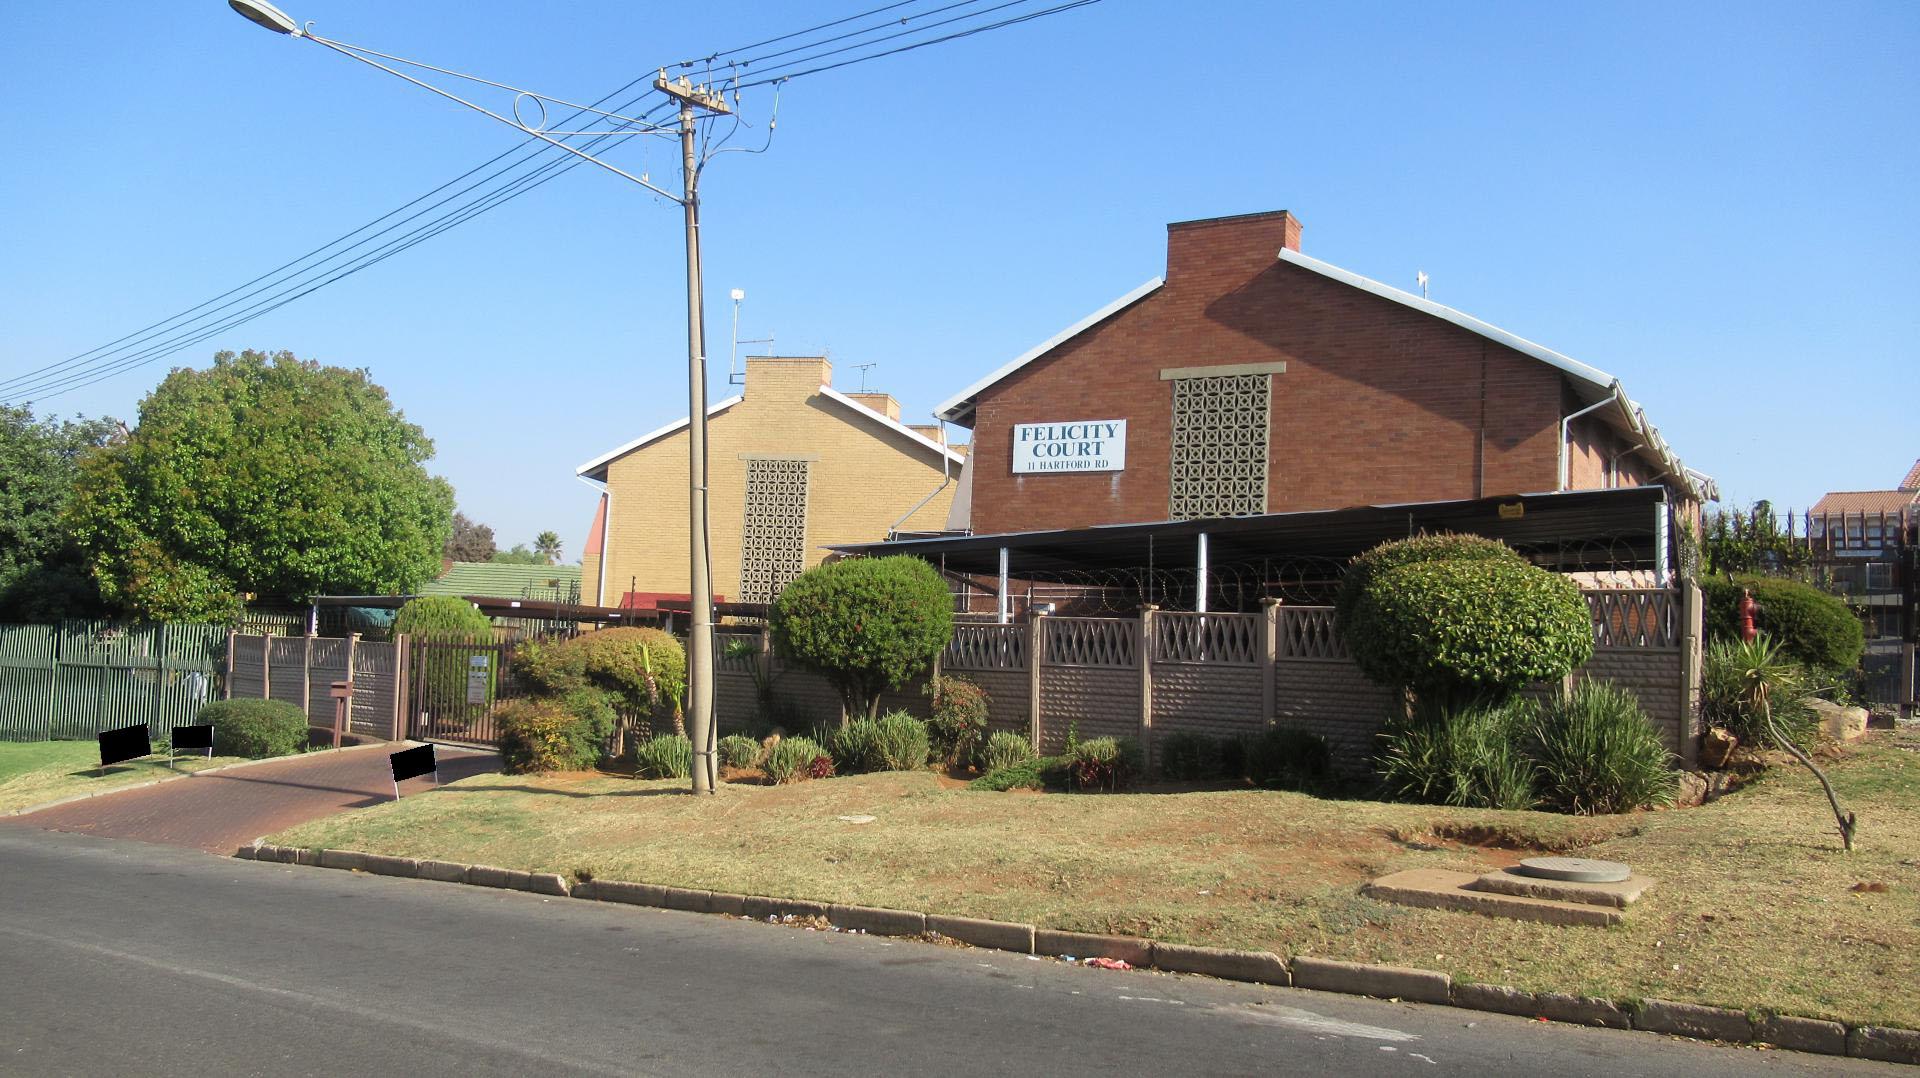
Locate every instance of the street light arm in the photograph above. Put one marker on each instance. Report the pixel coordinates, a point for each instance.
(346, 50)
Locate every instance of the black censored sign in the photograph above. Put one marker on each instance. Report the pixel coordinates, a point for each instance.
(412, 763)
(126, 743)
(193, 737)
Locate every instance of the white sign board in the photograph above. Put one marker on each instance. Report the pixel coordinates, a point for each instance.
(1089, 445)
(477, 669)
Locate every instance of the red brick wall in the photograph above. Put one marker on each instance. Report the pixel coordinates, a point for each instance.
(1379, 403)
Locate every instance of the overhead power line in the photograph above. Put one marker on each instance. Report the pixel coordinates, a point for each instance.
(306, 274)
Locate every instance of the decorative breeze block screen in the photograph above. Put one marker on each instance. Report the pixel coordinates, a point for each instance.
(1219, 446)
(773, 538)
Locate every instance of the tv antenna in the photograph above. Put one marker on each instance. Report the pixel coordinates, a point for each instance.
(863, 368)
(735, 376)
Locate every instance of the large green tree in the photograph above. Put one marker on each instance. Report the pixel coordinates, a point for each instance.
(42, 575)
(261, 475)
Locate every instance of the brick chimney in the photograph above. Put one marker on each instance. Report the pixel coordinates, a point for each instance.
(879, 402)
(1240, 245)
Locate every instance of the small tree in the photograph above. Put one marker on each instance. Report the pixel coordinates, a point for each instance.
(446, 619)
(1460, 620)
(470, 541)
(865, 624)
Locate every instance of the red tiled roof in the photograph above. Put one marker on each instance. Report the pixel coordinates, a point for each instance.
(1866, 501)
(1912, 481)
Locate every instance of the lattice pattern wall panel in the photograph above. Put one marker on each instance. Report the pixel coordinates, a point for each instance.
(773, 538)
(1219, 446)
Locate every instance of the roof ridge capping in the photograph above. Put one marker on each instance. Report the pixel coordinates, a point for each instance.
(892, 424)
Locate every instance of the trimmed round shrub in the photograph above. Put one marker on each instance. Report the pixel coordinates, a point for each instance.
(739, 752)
(959, 722)
(1462, 629)
(540, 733)
(644, 669)
(443, 618)
(795, 759)
(865, 624)
(1004, 749)
(1472, 758)
(1286, 758)
(1596, 752)
(256, 728)
(1441, 546)
(1188, 755)
(669, 756)
(1811, 627)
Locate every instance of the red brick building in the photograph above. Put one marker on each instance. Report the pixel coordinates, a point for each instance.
(1252, 379)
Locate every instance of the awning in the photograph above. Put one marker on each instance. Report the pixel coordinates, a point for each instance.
(1586, 530)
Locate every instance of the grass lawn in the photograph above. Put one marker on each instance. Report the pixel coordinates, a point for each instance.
(1754, 908)
(35, 771)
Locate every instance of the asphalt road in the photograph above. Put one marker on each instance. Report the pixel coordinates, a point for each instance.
(124, 958)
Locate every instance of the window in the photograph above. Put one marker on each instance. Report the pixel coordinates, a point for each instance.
(1219, 446)
(773, 537)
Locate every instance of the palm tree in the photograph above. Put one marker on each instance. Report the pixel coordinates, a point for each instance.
(547, 545)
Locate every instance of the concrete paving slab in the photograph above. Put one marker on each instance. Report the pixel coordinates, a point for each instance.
(1621, 895)
(1437, 889)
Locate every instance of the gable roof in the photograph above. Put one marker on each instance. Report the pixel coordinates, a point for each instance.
(1912, 481)
(597, 467)
(1592, 385)
(891, 424)
(1865, 501)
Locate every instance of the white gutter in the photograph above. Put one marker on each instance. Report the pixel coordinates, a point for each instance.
(946, 479)
(1566, 431)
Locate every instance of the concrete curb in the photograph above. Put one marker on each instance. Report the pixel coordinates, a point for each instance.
(164, 779)
(1690, 1020)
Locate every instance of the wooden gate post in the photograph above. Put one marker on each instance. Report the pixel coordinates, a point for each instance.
(306, 677)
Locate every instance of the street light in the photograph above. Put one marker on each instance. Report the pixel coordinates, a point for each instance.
(700, 724)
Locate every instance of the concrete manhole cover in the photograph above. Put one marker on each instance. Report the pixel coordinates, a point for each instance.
(1575, 869)
(864, 818)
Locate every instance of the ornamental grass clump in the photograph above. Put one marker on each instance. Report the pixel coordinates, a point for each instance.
(1596, 752)
(903, 743)
(1472, 758)
(668, 756)
(1102, 763)
(739, 752)
(855, 747)
(1734, 670)
(1004, 749)
(796, 759)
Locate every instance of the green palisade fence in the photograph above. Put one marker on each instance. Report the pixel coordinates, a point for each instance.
(75, 679)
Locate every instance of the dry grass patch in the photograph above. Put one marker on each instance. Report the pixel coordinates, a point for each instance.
(1755, 907)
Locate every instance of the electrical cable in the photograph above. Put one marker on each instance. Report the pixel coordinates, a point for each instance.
(1012, 21)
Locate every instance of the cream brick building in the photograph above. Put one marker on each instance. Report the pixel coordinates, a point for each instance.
(794, 467)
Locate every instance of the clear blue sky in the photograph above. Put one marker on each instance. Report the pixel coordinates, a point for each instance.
(1715, 203)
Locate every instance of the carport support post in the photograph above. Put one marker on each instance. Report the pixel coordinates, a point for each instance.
(1004, 608)
(1269, 656)
(1036, 645)
(1200, 580)
(226, 687)
(1143, 649)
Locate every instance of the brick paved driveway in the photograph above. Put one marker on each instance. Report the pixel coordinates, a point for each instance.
(222, 810)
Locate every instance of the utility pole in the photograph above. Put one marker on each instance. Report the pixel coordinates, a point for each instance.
(700, 724)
